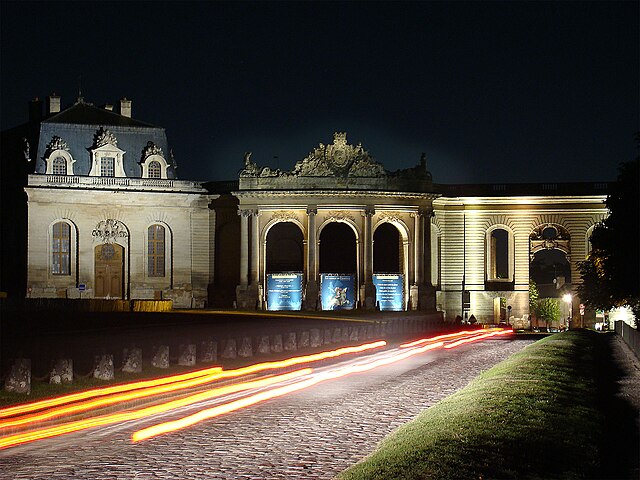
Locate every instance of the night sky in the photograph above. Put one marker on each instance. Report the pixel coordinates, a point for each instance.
(492, 92)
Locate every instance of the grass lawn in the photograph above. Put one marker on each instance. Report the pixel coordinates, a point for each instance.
(541, 414)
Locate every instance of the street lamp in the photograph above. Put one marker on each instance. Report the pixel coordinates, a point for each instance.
(568, 298)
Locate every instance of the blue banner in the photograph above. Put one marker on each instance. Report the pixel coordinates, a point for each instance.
(337, 291)
(389, 291)
(284, 291)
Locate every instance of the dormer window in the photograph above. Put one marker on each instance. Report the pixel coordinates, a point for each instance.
(57, 158)
(59, 166)
(152, 162)
(106, 157)
(155, 170)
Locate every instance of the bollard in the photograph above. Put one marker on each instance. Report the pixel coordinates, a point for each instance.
(276, 343)
(132, 360)
(346, 334)
(303, 340)
(208, 351)
(354, 335)
(246, 350)
(19, 380)
(187, 357)
(263, 345)
(103, 369)
(315, 340)
(290, 342)
(337, 335)
(62, 371)
(161, 357)
(370, 331)
(230, 350)
(327, 336)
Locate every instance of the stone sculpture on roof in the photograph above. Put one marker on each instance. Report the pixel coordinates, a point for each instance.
(338, 159)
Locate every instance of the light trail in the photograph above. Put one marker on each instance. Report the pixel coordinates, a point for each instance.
(275, 392)
(440, 337)
(70, 427)
(176, 385)
(97, 392)
(476, 338)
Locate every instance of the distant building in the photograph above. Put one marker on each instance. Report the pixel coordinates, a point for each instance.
(92, 207)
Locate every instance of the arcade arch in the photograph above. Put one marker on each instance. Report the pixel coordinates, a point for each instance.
(284, 248)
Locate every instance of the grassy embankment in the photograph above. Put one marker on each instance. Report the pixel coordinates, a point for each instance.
(543, 413)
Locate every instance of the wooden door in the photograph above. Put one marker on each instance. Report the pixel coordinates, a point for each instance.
(109, 270)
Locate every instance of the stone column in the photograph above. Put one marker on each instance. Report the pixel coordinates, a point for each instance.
(418, 244)
(369, 291)
(311, 295)
(255, 248)
(244, 246)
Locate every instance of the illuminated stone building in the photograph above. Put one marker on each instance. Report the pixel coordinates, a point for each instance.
(92, 208)
(460, 249)
(107, 217)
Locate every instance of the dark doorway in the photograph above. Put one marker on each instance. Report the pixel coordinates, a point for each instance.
(285, 248)
(387, 249)
(337, 249)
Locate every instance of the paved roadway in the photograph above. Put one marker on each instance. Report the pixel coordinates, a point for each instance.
(311, 434)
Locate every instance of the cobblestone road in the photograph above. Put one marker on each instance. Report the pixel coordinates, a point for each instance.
(312, 434)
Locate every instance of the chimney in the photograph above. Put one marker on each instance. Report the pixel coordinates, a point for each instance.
(54, 104)
(125, 107)
(108, 107)
(35, 110)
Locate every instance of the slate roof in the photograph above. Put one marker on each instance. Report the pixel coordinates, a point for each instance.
(82, 113)
(77, 126)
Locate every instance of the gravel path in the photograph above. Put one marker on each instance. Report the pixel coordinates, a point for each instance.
(312, 434)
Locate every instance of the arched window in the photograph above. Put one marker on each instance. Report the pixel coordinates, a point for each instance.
(499, 266)
(156, 246)
(59, 166)
(61, 249)
(155, 170)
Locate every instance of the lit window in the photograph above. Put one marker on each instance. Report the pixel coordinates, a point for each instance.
(155, 170)
(107, 167)
(156, 251)
(59, 166)
(61, 249)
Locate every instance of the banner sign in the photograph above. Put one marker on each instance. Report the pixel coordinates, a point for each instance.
(389, 291)
(284, 291)
(337, 291)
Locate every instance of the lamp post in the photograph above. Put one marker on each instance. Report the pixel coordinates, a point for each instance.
(569, 299)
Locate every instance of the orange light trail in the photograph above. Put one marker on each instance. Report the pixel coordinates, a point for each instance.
(276, 392)
(440, 337)
(217, 374)
(476, 338)
(21, 438)
(97, 392)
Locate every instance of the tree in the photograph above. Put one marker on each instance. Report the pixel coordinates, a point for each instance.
(611, 273)
(549, 310)
(534, 294)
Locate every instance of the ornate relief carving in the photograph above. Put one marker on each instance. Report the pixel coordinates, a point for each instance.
(247, 212)
(284, 215)
(57, 143)
(549, 236)
(104, 137)
(338, 159)
(390, 217)
(151, 149)
(109, 230)
(339, 216)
